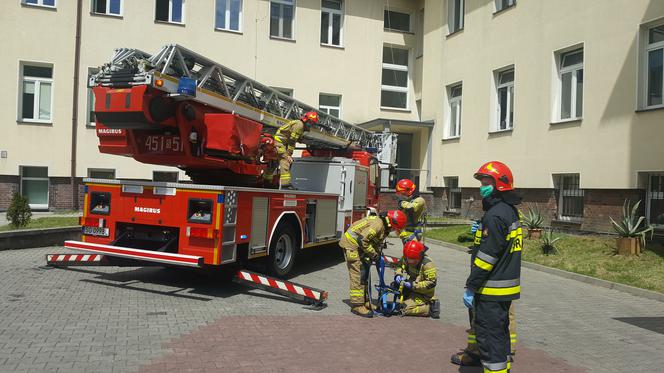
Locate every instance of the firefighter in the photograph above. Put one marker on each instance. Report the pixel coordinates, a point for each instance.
(414, 206)
(470, 356)
(284, 140)
(362, 244)
(494, 280)
(415, 276)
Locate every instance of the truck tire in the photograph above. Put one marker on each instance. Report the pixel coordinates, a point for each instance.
(283, 249)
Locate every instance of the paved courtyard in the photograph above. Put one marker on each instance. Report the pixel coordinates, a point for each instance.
(159, 320)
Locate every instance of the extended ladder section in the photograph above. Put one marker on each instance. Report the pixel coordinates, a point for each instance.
(229, 91)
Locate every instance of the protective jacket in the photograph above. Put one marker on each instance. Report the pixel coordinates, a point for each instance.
(366, 236)
(423, 276)
(415, 207)
(288, 135)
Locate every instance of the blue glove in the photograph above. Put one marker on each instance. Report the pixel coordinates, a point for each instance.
(407, 284)
(398, 279)
(474, 227)
(468, 298)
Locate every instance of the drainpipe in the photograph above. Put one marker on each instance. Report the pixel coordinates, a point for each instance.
(74, 110)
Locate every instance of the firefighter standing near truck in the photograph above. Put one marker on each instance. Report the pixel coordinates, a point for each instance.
(494, 280)
(414, 206)
(362, 243)
(284, 140)
(415, 276)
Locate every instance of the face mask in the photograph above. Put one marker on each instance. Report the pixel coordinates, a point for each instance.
(486, 190)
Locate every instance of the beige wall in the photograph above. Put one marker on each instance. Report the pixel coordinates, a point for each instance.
(607, 147)
(303, 65)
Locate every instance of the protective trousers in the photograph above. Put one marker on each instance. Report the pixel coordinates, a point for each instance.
(416, 305)
(493, 335)
(472, 339)
(357, 289)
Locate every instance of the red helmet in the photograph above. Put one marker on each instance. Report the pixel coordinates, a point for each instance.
(406, 187)
(414, 250)
(499, 172)
(310, 117)
(397, 219)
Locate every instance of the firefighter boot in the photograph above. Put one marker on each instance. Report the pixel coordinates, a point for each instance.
(362, 311)
(434, 309)
(466, 359)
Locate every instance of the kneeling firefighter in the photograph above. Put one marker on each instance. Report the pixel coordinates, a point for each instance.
(416, 278)
(362, 243)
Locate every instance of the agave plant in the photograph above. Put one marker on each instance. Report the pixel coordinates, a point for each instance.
(631, 225)
(548, 242)
(533, 219)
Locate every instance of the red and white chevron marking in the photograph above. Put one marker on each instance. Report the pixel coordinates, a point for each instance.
(68, 258)
(390, 259)
(283, 285)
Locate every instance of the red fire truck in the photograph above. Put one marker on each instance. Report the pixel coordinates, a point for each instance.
(181, 109)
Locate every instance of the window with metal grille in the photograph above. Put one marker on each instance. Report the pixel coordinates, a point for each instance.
(570, 197)
(655, 206)
(453, 193)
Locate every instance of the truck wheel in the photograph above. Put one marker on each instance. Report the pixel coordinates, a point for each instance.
(283, 249)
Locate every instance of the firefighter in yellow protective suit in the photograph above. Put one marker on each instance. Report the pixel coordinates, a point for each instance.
(414, 206)
(284, 140)
(362, 244)
(415, 276)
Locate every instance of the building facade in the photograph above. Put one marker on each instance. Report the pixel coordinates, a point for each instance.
(567, 93)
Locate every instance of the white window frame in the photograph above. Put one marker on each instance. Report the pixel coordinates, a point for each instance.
(48, 186)
(647, 48)
(108, 9)
(327, 108)
(391, 88)
(449, 180)
(562, 193)
(91, 170)
(283, 3)
(170, 13)
(451, 12)
(574, 70)
(410, 20)
(500, 7)
(650, 194)
(227, 16)
(175, 173)
(37, 81)
(41, 3)
(330, 27)
(495, 127)
(451, 102)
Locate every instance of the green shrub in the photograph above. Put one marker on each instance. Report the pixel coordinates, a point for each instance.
(19, 213)
(533, 219)
(548, 242)
(631, 224)
(465, 237)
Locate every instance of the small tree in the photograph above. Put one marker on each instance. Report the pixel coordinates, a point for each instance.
(19, 213)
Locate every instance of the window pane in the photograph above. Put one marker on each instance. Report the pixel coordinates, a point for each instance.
(101, 174)
(566, 96)
(334, 112)
(655, 77)
(176, 12)
(336, 29)
(572, 58)
(45, 100)
(395, 56)
(161, 12)
(36, 191)
(657, 211)
(236, 9)
(656, 35)
(28, 111)
(329, 100)
(275, 14)
(507, 77)
(38, 71)
(31, 1)
(511, 97)
(393, 99)
(395, 78)
(579, 93)
(288, 21)
(458, 14)
(453, 120)
(332, 4)
(502, 104)
(456, 91)
(100, 6)
(34, 172)
(91, 107)
(49, 2)
(324, 27)
(396, 20)
(115, 6)
(220, 14)
(573, 206)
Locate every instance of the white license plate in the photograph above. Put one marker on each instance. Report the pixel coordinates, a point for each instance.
(96, 231)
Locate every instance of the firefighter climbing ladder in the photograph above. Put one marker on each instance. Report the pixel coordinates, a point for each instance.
(225, 89)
